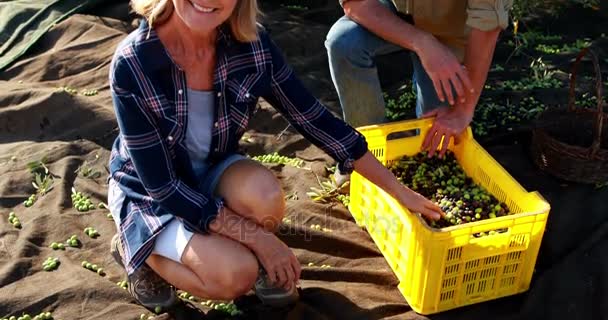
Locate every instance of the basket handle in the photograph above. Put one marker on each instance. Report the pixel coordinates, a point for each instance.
(599, 121)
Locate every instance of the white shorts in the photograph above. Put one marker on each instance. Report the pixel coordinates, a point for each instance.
(172, 241)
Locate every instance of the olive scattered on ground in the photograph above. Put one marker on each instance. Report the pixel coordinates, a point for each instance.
(30, 201)
(229, 308)
(91, 232)
(279, 159)
(14, 220)
(81, 202)
(123, 284)
(41, 316)
(93, 267)
(50, 264)
(73, 241)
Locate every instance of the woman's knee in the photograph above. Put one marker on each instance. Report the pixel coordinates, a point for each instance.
(253, 191)
(268, 205)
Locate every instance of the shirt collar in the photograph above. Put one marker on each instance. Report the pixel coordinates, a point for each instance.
(156, 56)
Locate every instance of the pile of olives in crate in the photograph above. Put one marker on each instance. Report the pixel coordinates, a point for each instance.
(444, 182)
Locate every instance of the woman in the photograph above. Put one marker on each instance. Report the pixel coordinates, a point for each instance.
(190, 211)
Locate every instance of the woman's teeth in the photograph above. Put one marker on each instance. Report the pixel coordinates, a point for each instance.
(202, 9)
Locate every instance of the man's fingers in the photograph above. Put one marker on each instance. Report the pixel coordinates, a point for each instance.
(457, 84)
(445, 83)
(438, 89)
(435, 142)
(466, 81)
(444, 145)
(429, 137)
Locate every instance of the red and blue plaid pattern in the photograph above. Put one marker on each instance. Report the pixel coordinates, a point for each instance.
(149, 160)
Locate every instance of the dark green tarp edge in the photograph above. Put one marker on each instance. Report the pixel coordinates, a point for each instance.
(25, 22)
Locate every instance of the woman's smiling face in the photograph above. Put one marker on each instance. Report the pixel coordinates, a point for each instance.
(204, 16)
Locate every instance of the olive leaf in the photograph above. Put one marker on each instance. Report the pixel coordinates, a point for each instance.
(328, 192)
(36, 166)
(43, 184)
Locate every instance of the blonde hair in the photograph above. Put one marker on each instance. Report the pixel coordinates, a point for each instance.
(242, 22)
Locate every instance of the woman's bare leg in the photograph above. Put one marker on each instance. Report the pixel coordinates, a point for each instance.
(216, 267)
(213, 267)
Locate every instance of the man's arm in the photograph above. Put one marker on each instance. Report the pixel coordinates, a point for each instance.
(438, 60)
(486, 19)
(478, 58)
(380, 20)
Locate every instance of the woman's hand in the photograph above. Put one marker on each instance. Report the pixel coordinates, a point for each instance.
(369, 167)
(281, 265)
(415, 202)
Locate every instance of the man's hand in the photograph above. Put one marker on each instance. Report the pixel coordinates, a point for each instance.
(449, 123)
(444, 69)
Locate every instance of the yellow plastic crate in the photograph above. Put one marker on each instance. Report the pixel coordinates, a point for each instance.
(449, 268)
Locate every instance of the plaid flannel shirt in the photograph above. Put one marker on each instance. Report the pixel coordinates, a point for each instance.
(149, 161)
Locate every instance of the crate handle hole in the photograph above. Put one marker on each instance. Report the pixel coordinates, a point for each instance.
(403, 134)
(490, 233)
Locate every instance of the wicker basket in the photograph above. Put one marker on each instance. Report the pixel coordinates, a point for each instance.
(567, 142)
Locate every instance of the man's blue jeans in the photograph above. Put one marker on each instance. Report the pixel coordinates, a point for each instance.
(351, 49)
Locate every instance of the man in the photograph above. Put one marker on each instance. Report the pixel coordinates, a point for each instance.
(451, 43)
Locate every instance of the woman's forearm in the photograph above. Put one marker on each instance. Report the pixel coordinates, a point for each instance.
(369, 167)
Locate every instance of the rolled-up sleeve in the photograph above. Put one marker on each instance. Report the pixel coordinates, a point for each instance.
(487, 15)
(309, 117)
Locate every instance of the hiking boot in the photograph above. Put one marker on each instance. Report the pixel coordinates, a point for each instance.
(274, 296)
(147, 287)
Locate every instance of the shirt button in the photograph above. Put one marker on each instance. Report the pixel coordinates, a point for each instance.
(180, 91)
(219, 94)
(247, 95)
(170, 138)
(215, 124)
(216, 149)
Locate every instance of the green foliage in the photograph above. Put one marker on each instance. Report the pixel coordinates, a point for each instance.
(523, 8)
(402, 106)
(578, 45)
(491, 116)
